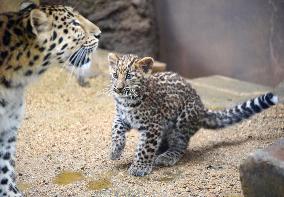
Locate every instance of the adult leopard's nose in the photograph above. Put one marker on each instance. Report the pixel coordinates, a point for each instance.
(98, 35)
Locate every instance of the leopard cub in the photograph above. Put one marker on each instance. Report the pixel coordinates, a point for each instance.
(166, 111)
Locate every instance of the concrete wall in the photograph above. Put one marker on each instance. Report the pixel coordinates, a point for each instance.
(237, 38)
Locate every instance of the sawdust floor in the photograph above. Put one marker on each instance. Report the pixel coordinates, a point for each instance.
(64, 143)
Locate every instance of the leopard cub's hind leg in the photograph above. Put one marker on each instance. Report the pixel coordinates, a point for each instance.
(177, 139)
(177, 144)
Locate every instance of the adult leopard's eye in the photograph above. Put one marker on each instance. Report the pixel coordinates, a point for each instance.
(75, 22)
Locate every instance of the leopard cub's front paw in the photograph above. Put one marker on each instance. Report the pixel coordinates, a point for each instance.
(139, 169)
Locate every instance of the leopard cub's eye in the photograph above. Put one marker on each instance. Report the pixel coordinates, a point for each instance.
(75, 22)
(128, 76)
(114, 75)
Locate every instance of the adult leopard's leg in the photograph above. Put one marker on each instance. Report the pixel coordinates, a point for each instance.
(10, 117)
(7, 163)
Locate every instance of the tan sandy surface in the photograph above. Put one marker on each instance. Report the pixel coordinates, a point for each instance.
(67, 129)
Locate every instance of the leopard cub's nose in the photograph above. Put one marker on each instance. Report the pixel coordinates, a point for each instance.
(119, 89)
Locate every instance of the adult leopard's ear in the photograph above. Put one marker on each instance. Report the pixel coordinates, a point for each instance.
(39, 22)
(112, 60)
(146, 64)
(28, 5)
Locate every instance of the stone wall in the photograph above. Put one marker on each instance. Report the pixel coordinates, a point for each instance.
(128, 26)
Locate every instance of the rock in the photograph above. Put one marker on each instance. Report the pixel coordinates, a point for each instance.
(127, 26)
(159, 67)
(262, 173)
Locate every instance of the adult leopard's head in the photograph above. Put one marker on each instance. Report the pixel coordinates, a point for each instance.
(129, 74)
(68, 32)
(39, 36)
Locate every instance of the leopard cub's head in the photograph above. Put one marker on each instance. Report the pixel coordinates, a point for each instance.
(129, 73)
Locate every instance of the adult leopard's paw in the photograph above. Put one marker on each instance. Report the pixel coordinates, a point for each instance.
(10, 190)
(138, 169)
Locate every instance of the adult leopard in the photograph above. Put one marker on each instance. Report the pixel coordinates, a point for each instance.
(32, 40)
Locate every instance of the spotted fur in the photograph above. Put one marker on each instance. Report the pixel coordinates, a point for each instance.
(166, 111)
(32, 40)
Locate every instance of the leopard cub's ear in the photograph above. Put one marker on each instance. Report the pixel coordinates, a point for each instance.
(112, 60)
(146, 64)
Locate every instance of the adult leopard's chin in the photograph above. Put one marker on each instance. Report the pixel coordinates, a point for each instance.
(81, 57)
(80, 62)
